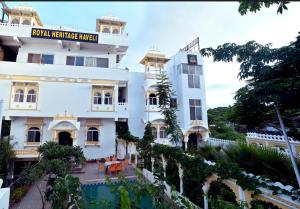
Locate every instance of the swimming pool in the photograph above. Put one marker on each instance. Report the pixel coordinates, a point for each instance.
(97, 196)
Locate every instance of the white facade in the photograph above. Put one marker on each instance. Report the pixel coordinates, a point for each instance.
(73, 92)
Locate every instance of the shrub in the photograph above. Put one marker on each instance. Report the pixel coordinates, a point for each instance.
(19, 193)
(263, 161)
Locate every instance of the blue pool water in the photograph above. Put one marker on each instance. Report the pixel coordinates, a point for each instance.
(95, 193)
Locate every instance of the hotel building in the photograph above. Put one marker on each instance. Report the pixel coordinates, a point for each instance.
(66, 85)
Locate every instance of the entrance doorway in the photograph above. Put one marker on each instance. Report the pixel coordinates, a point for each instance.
(195, 141)
(64, 138)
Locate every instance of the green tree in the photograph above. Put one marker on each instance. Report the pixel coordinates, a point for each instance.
(54, 166)
(144, 146)
(272, 75)
(221, 124)
(7, 157)
(165, 94)
(256, 5)
(66, 193)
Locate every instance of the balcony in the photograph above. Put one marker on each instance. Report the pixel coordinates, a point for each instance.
(152, 108)
(48, 72)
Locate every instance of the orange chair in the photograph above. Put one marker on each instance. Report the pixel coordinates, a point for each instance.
(118, 167)
(125, 164)
(115, 167)
(112, 168)
(100, 167)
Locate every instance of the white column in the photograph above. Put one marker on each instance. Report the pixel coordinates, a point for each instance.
(186, 139)
(205, 189)
(136, 159)
(180, 172)
(164, 162)
(152, 164)
(241, 195)
(116, 97)
(1, 116)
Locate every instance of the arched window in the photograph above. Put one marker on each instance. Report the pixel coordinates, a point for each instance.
(26, 22)
(105, 30)
(15, 21)
(97, 98)
(34, 134)
(115, 31)
(19, 96)
(92, 134)
(162, 133)
(31, 96)
(154, 132)
(152, 99)
(108, 99)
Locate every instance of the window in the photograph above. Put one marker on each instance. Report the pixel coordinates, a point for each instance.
(173, 102)
(97, 98)
(115, 31)
(72, 60)
(108, 99)
(154, 132)
(102, 62)
(38, 58)
(189, 69)
(162, 133)
(194, 81)
(47, 59)
(152, 99)
(19, 96)
(34, 58)
(105, 30)
(31, 96)
(15, 21)
(117, 58)
(195, 109)
(34, 135)
(26, 22)
(92, 134)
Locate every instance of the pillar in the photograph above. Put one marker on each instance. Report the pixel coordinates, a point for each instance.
(164, 164)
(180, 172)
(185, 141)
(241, 195)
(205, 189)
(116, 97)
(152, 164)
(135, 159)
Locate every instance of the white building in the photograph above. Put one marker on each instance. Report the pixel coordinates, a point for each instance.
(65, 85)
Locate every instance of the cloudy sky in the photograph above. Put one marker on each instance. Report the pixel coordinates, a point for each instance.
(171, 25)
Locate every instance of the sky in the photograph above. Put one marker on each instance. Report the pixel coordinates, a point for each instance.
(170, 26)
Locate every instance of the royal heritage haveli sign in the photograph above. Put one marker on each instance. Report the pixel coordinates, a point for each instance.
(64, 35)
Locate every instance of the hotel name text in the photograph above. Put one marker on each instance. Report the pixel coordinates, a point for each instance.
(64, 35)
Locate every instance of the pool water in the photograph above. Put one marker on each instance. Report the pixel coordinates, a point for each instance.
(95, 193)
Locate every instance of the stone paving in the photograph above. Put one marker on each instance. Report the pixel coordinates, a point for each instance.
(32, 199)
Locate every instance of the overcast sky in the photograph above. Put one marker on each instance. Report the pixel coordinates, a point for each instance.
(171, 25)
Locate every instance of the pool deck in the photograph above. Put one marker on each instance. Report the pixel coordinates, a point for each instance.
(92, 175)
(89, 175)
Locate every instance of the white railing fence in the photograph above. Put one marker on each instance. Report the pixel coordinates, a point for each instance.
(267, 137)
